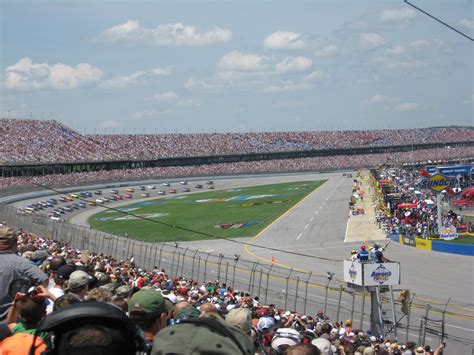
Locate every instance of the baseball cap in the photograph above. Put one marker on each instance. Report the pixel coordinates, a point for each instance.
(202, 336)
(265, 323)
(7, 238)
(65, 271)
(39, 255)
(284, 338)
(146, 304)
(79, 278)
(187, 313)
(123, 291)
(323, 345)
(241, 318)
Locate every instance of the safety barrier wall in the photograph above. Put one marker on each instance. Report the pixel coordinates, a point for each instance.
(433, 245)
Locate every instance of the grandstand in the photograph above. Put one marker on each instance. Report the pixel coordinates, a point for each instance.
(49, 141)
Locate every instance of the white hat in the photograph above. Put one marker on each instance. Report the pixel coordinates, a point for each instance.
(285, 337)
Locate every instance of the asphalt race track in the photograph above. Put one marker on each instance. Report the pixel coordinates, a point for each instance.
(317, 227)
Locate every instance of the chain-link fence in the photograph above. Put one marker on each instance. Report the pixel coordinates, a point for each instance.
(291, 289)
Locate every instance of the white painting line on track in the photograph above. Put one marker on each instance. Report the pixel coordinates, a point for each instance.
(306, 226)
(299, 236)
(347, 228)
(311, 219)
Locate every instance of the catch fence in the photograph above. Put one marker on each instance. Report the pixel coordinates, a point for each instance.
(289, 288)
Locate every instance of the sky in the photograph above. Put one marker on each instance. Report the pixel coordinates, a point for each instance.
(236, 65)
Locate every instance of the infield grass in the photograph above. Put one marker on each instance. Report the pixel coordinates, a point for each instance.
(229, 213)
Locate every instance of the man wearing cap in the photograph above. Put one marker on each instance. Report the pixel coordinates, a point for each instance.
(14, 266)
(148, 310)
(78, 283)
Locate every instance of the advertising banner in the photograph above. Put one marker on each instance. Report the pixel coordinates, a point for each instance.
(353, 272)
(437, 182)
(381, 274)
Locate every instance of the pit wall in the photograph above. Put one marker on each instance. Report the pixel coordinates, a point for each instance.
(434, 245)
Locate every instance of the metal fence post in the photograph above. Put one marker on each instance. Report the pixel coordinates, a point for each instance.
(268, 280)
(199, 268)
(172, 261)
(192, 267)
(306, 293)
(161, 252)
(205, 267)
(260, 283)
(252, 276)
(219, 259)
(338, 304)
(227, 271)
(296, 292)
(286, 290)
(352, 308)
(362, 311)
(184, 260)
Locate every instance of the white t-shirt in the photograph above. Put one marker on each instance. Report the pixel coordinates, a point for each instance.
(57, 292)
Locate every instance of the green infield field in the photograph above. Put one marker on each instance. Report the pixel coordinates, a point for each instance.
(230, 213)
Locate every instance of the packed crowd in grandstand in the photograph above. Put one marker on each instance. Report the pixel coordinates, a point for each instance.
(48, 141)
(88, 302)
(255, 167)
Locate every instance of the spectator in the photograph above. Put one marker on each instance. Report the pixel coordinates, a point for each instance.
(14, 266)
(78, 283)
(147, 309)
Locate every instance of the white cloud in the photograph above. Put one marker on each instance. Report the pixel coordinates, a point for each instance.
(284, 40)
(397, 15)
(119, 82)
(466, 23)
(405, 106)
(194, 83)
(176, 34)
(395, 50)
(381, 99)
(26, 75)
(326, 51)
(236, 60)
(313, 76)
(287, 86)
(370, 40)
(147, 113)
(293, 64)
(420, 44)
(164, 96)
(163, 71)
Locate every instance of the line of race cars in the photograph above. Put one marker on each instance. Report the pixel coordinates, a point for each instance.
(55, 208)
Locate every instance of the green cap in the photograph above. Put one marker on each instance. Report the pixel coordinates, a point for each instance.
(187, 313)
(146, 304)
(192, 338)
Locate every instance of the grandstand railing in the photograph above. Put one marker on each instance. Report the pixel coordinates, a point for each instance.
(290, 288)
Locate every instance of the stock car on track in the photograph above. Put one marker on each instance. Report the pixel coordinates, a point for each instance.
(166, 184)
(198, 186)
(151, 187)
(144, 194)
(128, 195)
(162, 192)
(184, 182)
(172, 191)
(186, 189)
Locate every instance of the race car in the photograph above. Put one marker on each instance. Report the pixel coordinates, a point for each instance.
(172, 191)
(198, 186)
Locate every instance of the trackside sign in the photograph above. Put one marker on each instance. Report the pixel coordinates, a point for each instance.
(437, 182)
